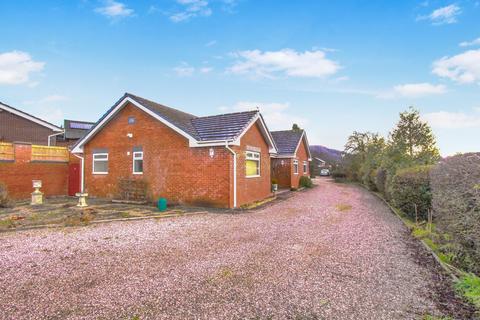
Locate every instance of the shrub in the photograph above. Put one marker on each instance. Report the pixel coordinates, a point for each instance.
(381, 180)
(4, 198)
(305, 182)
(274, 181)
(410, 187)
(339, 175)
(368, 180)
(456, 205)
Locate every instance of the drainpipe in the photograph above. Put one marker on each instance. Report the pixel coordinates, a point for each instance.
(52, 135)
(234, 173)
(82, 171)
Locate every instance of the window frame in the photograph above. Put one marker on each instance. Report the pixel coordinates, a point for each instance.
(102, 160)
(136, 159)
(305, 167)
(253, 158)
(295, 166)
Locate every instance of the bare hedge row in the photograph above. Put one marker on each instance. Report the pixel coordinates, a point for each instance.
(451, 189)
(455, 185)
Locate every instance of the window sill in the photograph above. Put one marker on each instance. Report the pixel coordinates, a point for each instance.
(248, 177)
(100, 173)
(138, 173)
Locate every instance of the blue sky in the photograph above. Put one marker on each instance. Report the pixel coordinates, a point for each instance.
(331, 66)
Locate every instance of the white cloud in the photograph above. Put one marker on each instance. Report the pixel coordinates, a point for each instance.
(462, 68)
(16, 67)
(443, 15)
(114, 10)
(50, 99)
(51, 114)
(419, 89)
(288, 62)
(211, 43)
(206, 70)
(275, 114)
(190, 9)
(453, 120)
(475, 42)
(184, 70)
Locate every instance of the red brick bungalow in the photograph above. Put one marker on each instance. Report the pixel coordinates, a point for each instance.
(220, 161)
(292, 159)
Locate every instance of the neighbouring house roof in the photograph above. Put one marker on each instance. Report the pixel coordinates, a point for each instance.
(75, 129)
(288, 141)
(30, 117)
(320, 160)
(201, 131)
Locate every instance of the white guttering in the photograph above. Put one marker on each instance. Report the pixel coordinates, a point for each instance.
(82, 172)
(234, 173)
(52, 135)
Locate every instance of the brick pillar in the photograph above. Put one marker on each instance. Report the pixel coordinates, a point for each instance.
(23, 152)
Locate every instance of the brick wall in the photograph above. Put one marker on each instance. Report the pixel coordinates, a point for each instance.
(171, 168)
(256, 188)
(301, 156)
(17, 175)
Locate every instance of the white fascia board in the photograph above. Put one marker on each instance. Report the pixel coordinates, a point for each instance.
(284, 156)
(33, 119)
(79, 147)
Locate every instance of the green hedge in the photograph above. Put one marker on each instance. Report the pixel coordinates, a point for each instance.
(410, 187)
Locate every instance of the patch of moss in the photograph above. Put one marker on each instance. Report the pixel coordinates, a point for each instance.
(469, 287)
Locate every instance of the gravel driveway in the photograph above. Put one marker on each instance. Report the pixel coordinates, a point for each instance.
(333, 252)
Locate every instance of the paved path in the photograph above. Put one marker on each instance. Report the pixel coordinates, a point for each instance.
(334, 252)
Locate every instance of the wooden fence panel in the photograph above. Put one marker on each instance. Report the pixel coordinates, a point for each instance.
(45, 153)
(7, 151)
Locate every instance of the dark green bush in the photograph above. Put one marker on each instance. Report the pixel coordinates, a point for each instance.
(305, 182)
(410, 187)
(456, 204)
(4, 198)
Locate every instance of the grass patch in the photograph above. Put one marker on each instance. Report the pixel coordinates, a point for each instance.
(469, 287)
(7, 223)
(430, 317)
(342, 207)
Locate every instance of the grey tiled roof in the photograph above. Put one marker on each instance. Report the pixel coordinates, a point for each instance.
(218, 127)
(287, 141)
(223, 126)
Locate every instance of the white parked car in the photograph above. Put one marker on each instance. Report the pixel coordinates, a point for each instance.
(324, 172)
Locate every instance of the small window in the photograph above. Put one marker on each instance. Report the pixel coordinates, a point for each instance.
(131, 120)
(138, 162)
(305, 167)
(295, 166)
(252, 164)
(100, 163)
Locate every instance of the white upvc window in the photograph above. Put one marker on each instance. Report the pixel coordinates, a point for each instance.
(305, 167)
(138, 162)
(100, 163)
(295, 166)
(252, 164)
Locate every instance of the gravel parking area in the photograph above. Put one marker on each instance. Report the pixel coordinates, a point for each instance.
(333, 252)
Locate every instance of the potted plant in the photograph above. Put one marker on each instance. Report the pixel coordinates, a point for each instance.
(274, 185)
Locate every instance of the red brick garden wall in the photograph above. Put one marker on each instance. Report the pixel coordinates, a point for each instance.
(171, 168)
(18, 174)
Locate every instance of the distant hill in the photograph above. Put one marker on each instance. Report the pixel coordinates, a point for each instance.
(331, 156)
